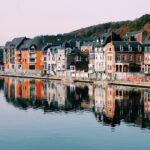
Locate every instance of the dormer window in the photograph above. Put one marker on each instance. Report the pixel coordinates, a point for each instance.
(139, 48)
(130, 48)
(121, 48)
(102, 41)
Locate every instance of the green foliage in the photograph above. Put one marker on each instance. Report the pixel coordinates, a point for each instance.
(120, 27)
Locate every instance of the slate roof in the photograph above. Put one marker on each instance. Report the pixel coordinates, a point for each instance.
(52, 48)
(126, 45)
(130, 34)
(39, 42)
(108, 37)
(52, 40)
(147, 40)
(15, 43)
(26, 45)
(89, 43)
(146, 47)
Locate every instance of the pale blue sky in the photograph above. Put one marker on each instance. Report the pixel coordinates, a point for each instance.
(38, 17)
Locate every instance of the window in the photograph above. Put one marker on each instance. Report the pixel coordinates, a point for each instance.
(72, 67)
(139, 48)
(118, 57)
(78, 58)
(121, 48)
(130, 58)
(130, 48)
(139, 58)
(146, 48)
(110, 67)
(110, 58)
(53, 58)
(19, 66)
(124, 58)
(32, 67)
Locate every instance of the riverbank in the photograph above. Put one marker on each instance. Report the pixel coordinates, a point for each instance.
(82, 80)
(131, 84)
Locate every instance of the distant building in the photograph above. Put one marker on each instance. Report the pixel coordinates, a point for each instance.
(138, 36)
(107, 38)
(87, 47)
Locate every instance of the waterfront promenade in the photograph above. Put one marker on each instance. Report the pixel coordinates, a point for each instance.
(82, 80)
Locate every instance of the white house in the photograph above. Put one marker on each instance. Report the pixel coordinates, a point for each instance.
(99, 60)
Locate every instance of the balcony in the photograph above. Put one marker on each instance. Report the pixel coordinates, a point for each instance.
(32, 51)
(32, 56)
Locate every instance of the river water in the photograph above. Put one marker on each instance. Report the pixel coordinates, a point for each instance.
(46, 115)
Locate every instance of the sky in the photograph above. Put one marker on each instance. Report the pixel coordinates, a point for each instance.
(46, 17)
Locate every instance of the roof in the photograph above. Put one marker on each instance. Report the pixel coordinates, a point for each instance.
(89, 43)
(52, 48)
(15, 43)
(146, 47)
(108, 37)
(26, 45)
(130, 34)
(58, 40)
(127, 45)
(147, 40)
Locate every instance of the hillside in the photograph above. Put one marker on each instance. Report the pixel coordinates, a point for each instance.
(92, 32)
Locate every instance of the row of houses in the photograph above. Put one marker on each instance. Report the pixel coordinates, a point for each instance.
(62, 54)
(47, 55)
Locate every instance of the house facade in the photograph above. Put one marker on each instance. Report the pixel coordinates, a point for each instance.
(123, 57)
(147, 59)
(50, 60)
(12, 54)
(99, 61)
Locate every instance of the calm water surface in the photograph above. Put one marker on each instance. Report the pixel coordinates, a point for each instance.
(42, 115)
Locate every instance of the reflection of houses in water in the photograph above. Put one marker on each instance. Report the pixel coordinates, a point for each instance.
(122, 93)
(19, 88)
(100, 98)
(55, 94)
(123, 103)
(110, 101)
(147, 101)
(111, 104)
(49, 96)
